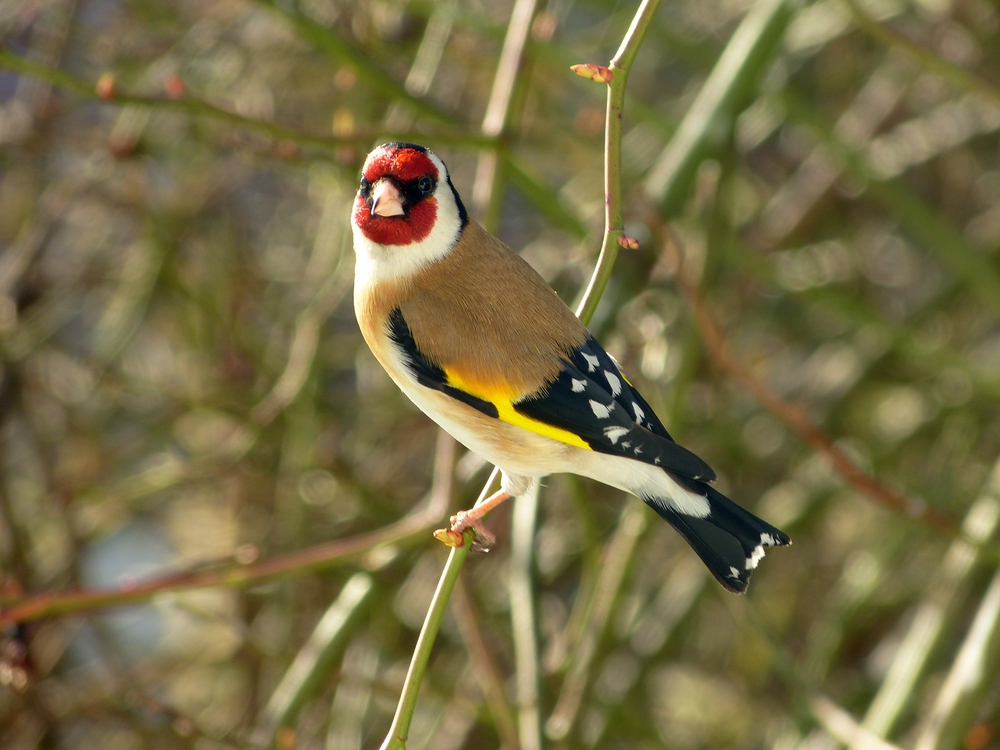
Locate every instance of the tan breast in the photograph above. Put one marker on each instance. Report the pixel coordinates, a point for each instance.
(484, 313)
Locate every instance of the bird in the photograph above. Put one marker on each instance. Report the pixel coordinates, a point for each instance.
(481, 344)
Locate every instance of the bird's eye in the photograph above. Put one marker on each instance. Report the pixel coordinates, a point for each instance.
(425, 184)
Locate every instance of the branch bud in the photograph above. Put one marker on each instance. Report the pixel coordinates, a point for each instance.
(596, 73)
(174, 86)
(449, 538)
(105, 86)
(629, 243)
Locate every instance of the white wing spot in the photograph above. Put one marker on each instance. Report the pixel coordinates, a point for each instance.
(614, 433)
(626, 444)
(639, 413)
(734, 573)
(592, 361)
(600, 410)
(656, 460)
(578, 385)
(767, 539)
(614, 382)
(755, 557)
(637, 450)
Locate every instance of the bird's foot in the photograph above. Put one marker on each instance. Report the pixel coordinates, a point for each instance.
(482, 540)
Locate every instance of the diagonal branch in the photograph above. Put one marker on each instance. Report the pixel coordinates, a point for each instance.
(409, 529)
(792, 415)
(890, 37)
(195, 106)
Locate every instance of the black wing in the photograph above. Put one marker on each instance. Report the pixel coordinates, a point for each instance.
(592, 399)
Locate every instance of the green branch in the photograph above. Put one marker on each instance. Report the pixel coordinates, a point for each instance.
(338, 48)
(614, 223)
(620, 65)
(710, 117)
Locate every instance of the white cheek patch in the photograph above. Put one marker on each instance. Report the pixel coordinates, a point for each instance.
(377, 263)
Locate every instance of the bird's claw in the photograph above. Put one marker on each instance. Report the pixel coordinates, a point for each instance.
(482, 540)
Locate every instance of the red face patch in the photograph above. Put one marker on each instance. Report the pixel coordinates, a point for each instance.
(396, 230)
(404, 164)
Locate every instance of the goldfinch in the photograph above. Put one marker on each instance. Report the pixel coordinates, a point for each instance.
(484, 347)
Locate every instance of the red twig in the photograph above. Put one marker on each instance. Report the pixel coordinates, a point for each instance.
(309, 560)
(793, 415)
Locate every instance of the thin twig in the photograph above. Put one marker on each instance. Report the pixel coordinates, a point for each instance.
(523, 617)
(944, 595)
(315, 659)
(614, 222)
(971, 674)
(845, 728)
(890, 37)
(399, 731)
(792, 415)
(396, 739)
(409, 529)
(199, 107)
(484, 667)
(485, 195)
(613, 569)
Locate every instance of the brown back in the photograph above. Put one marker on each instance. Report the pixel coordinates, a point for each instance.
(485, 314)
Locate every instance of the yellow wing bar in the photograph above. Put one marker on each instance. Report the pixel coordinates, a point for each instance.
(503, 401)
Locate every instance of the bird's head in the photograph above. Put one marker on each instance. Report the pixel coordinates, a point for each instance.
(407, 213)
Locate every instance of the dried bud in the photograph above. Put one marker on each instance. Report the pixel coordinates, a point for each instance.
(174, 86)
(596, 73)
(629, 243)
(105, 87)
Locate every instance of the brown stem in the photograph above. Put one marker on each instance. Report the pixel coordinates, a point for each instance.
(793, 415)
(411, 527)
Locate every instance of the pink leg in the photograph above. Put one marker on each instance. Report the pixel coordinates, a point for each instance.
(473, 519)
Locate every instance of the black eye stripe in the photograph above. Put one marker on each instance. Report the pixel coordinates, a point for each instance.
(412, 191)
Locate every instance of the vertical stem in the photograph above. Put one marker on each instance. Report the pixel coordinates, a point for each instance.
(400, 729)
(485, 193)
(614, 223)
(522, 615)
(620, 64)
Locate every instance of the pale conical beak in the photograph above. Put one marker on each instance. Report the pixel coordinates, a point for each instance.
(386, 200)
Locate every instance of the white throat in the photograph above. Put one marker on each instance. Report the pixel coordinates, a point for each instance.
(377, 263)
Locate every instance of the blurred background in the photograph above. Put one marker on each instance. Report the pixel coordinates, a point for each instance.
(183, 387)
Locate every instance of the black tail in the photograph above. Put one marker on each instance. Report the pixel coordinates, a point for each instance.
(729, 540)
